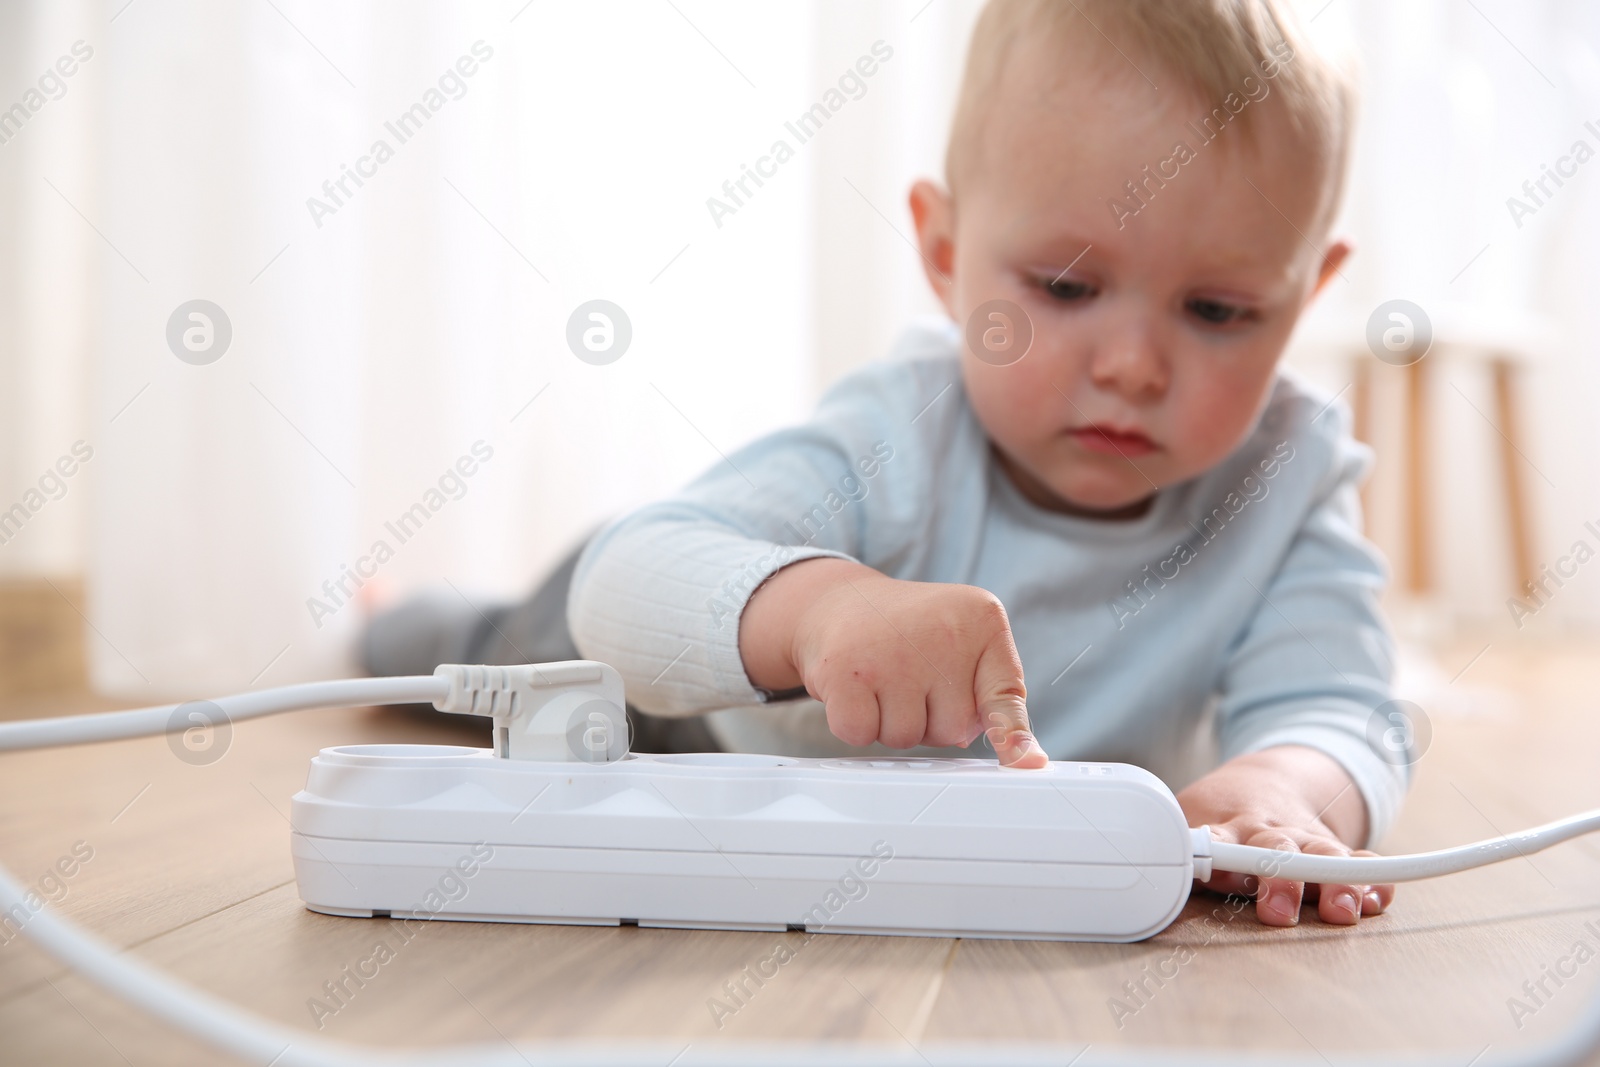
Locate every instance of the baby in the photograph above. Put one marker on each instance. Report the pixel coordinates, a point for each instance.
(1091, 517)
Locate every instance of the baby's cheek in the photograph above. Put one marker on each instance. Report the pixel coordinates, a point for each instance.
(1009, 403)
(1202, 443)
(1209, 422)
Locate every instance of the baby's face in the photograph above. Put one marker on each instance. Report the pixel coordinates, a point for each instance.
(1156, 337)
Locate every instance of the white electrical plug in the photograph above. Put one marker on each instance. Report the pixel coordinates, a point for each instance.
(564, 712)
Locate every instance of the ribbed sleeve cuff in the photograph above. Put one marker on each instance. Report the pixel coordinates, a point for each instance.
(722, 632)
(665, 611)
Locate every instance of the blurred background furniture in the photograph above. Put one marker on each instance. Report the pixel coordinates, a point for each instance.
(1465, 347)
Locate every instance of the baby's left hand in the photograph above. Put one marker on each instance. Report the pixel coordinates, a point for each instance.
(1288, 797)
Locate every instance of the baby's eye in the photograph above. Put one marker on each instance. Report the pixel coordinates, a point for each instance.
(1217, 313)
(1068, 289)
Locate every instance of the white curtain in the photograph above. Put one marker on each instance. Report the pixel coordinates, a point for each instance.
(375, 348)
(377, 340)
(47, 321)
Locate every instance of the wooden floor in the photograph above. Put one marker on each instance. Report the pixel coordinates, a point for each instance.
(191, 872)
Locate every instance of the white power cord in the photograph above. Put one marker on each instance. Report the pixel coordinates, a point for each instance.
(166, 718)
(256, 1040)
(1380, 870)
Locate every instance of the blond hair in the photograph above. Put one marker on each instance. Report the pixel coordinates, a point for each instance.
(1216, 48)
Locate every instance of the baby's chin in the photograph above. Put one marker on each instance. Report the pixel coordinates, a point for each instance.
(1095, 499)
(1089, 490)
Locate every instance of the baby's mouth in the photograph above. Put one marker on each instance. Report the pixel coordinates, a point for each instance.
(1129, 444)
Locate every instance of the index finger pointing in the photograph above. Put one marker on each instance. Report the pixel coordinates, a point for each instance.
(1002, 700)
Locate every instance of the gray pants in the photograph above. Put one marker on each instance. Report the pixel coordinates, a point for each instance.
(418, 635)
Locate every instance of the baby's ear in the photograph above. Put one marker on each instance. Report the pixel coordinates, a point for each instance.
(934, 214)
(1338, 251)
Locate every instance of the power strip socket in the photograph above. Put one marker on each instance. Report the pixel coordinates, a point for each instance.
(731, 841)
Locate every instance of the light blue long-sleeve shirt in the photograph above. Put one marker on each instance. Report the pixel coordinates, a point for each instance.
(1239, 612)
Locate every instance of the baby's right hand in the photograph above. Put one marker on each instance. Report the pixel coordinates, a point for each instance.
(902, 663)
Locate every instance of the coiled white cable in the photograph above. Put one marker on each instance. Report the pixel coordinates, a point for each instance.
(254, 1039)
(201, 1015)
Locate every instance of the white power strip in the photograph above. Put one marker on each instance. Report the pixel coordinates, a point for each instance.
(932, 847)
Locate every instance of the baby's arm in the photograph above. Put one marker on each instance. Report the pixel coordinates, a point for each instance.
(659, 594)
(665, 594)
(1303, 685)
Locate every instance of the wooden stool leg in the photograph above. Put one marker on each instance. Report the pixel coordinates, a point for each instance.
(1361, 430)
(1524, 569)
(1420, 570)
